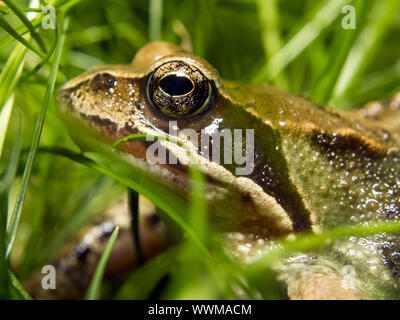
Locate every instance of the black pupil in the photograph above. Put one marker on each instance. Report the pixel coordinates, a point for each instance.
(176, 85)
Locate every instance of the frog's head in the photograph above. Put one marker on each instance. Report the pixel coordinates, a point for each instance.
(162, 92)
(161, 84)
(167, 91)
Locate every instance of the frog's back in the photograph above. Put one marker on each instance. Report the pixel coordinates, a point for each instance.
(376, 127)
(345, 165)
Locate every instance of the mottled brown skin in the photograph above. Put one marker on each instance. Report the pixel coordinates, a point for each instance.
(315, 168)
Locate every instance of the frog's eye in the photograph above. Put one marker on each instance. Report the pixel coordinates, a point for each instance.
(179, 90)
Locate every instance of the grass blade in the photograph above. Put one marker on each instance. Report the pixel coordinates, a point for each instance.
(61, 7)
(18, 288)
(144, 136)
(383, 15)
(11, 73)
(374, 84)
(82, 215)
(8, 177)
(268, 14)
(301, 40)
(310, 241)
(343, 43)
(122, 171)
(155, 12)
(27, 23)
(7, 27)
(4, 280)
(45, 59)
(93, 291)
(11, 232)
(198, 203)
(5, 115)
(139, 285)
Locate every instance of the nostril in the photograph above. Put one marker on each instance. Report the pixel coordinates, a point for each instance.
(104, 81)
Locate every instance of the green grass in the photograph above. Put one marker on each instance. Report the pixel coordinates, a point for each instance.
(48, 189)
(93, 292)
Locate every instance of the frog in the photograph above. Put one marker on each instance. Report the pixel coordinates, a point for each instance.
(312, 167)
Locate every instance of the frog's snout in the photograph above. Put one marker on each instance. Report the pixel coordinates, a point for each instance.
(69, 96)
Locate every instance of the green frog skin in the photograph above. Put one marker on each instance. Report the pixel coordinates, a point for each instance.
(314, 168)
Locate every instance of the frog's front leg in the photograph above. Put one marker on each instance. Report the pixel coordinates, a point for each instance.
(74, 270)
(313, 276)
(319, 282)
